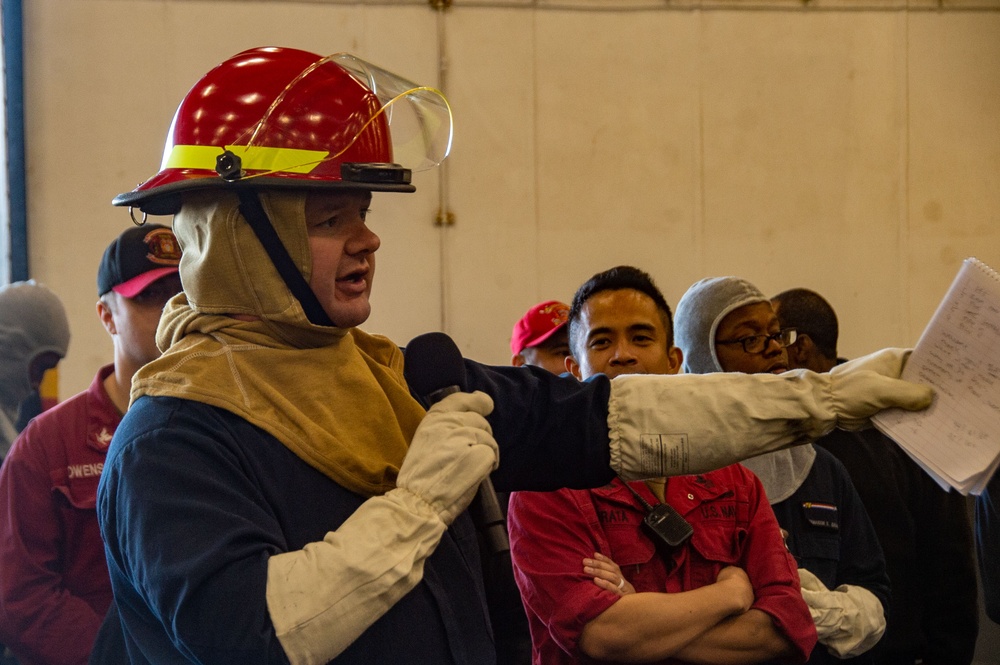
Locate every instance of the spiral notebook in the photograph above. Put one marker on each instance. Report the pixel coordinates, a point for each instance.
(957, 439)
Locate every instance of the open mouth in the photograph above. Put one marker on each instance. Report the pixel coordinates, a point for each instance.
(355, 281)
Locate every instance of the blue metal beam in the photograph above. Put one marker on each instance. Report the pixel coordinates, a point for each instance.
(13, 80)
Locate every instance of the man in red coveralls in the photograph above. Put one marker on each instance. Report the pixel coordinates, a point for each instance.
(597, 586)
(55, 591)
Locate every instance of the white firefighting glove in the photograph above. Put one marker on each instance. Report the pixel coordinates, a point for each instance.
(663, 425)
(322, 597)
(849, 620)
(452, 452)
(864, 386)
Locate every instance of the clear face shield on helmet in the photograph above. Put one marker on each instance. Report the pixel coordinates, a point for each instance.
(419, 117)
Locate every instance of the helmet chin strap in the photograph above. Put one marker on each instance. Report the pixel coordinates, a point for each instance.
(253, 212)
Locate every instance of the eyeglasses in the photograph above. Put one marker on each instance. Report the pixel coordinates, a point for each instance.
(757, 343)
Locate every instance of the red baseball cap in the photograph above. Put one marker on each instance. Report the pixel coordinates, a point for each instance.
(137, 258)
(538, 324)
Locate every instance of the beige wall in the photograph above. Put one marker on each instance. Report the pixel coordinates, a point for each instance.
(840, 147)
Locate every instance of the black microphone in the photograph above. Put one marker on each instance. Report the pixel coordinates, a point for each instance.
(434, 368)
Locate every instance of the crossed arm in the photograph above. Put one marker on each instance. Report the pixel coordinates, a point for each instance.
(584, 612)
(711, 624)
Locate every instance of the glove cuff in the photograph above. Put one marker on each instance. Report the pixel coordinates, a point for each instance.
(323, 597)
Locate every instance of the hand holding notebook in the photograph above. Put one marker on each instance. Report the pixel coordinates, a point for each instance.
(957, 439)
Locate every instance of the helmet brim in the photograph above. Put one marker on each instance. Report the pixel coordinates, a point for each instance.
(165, 199)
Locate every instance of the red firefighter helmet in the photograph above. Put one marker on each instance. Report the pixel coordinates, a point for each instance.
(280, 117)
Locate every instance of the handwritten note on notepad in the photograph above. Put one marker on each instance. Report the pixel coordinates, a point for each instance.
(957, 440)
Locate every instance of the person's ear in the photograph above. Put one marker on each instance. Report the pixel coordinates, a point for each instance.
(676, 359)
(572, 366)
(107, 317)
(517, 360)
(800, 353)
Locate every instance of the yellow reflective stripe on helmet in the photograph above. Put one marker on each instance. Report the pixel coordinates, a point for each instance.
(255, 158)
